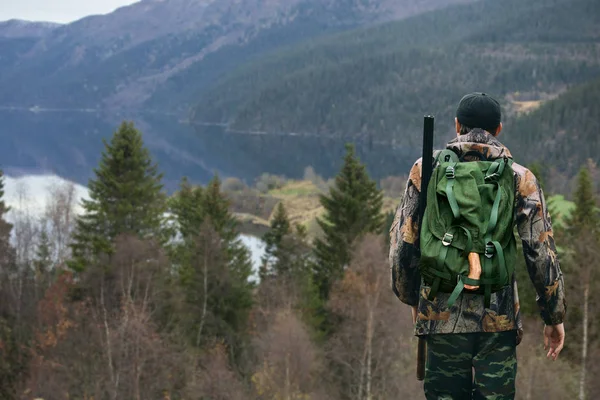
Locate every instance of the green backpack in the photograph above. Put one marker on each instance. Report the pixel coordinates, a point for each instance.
(470, 208)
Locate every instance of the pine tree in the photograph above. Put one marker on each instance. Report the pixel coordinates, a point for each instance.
(238, 302)
(216, 206)
(186, 206)
(125, 198)
(14, 360)
(280, 227)
(352, 209)
(286, 266)
(585, 217)
(43, 256)
(214, 265)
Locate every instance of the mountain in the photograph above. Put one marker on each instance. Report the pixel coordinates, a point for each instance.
(17, 37)
(165, 53)
(379, 81)
(16, 28)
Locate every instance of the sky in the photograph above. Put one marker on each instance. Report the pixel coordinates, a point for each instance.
(57, 10)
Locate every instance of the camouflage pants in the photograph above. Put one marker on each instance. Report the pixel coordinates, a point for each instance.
(452, 359)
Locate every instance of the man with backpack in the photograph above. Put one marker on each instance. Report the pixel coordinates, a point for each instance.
(456, 267)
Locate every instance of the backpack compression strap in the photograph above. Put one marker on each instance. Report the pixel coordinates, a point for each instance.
(493, 247)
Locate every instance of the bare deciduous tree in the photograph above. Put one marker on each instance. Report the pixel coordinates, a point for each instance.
(215, 379)
(25, 227)
(288, 360)
(59, 216)
(372, 349)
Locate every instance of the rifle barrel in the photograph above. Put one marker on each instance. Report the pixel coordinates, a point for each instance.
(426, 171)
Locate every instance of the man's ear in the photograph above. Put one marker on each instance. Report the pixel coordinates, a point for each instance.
(457, 124)
(498, 130)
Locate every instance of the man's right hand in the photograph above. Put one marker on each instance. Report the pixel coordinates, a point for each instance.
(554, 340)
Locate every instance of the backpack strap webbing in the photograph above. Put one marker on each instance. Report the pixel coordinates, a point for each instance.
(450, 175)
(444, 156)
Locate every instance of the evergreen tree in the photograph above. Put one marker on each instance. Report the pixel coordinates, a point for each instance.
(286, 264)
(214, 266)
(280, 227)
(352, 209)
(14, 360)
(216, 206)
(186, 207)
(238, 302)
(125, 198)
(43, 257)
(585, 216)
(287, 250)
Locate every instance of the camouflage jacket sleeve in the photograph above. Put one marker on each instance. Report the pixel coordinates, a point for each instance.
(404, 245)
(535, 229)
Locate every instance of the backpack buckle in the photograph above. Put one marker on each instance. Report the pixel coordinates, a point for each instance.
(489, 250)
(447, 239)
(450, 173)
(492, 177)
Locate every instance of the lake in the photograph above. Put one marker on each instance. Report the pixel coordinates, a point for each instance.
(68, 143)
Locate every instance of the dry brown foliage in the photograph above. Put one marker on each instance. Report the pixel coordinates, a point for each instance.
(215, 379)
(372, 350)
(289, 363)
(60, 218)
(105, 346)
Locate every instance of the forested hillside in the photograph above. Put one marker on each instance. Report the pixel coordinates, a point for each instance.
(561, 134)
(380, 81)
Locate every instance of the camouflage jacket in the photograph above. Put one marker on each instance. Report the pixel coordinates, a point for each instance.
(468, 313)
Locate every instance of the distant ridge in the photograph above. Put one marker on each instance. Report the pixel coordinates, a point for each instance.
(17, 28)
